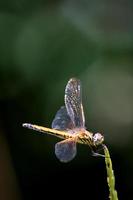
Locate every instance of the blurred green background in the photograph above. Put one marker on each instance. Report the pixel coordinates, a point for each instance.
(42, 45)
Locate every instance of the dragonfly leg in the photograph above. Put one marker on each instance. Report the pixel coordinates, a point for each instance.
(96, 150)
(97, 154)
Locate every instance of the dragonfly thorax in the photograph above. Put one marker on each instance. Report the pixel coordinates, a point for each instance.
(91, 139)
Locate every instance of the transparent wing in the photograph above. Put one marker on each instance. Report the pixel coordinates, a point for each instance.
(62, 120)
(73, 102)
(65, 150)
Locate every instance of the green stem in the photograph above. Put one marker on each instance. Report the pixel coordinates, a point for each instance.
(110, 175)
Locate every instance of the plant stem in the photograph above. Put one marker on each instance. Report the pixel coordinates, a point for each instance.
(110, 175)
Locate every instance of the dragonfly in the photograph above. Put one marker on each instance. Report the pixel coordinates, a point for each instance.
(69, 125)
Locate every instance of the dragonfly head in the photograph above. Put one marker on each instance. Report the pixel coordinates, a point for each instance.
(98, 139)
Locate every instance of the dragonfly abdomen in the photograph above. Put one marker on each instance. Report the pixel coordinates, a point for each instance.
(41, 129)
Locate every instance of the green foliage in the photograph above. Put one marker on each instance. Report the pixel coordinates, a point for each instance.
(110, 176)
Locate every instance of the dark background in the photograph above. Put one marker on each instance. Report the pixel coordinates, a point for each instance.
(42, 45)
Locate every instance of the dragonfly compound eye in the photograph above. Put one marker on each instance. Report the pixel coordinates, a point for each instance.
(98, 139)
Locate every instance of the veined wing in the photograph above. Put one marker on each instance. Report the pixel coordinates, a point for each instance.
(66, 150)
(58, 133)
(73, 102)
(62, 120)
